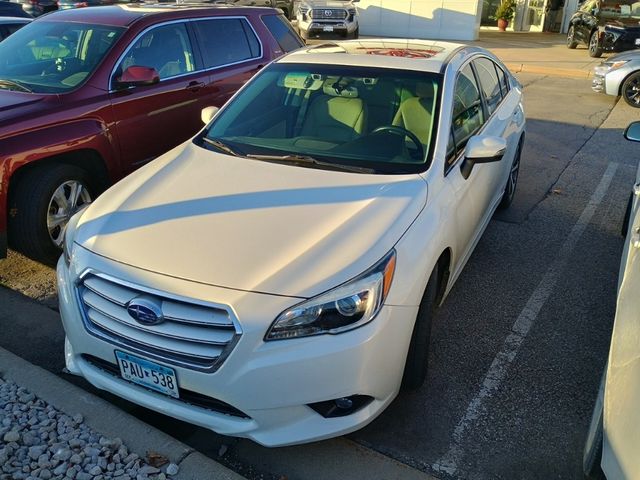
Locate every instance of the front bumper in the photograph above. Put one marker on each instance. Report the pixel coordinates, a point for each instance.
(271, 383)
(620, 40)
(610, 81)
(317, 29)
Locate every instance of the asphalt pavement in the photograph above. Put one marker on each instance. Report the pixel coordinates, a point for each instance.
(518, 346)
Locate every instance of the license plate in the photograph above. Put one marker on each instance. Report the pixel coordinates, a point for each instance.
(637, 41)
(148, 374)
(328, 28)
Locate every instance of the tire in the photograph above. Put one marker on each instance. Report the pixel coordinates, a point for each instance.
(415, 368)
(592, 455)
(595, 48)
(356, 34)
(512, 180)
(571, 40)
(36, 226)
(630, 90)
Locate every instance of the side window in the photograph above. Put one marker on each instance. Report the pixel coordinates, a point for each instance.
(166, 48)
(489, 82)
(283, 32)
(224, 41)
(504, 81)
(468, 115)
(13, 28)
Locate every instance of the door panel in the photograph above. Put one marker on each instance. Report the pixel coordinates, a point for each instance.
(151, 120)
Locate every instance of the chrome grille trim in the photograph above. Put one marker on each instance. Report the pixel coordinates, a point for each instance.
(336, 14)
(196, 335)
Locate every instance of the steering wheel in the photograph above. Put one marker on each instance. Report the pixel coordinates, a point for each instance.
(397, 130)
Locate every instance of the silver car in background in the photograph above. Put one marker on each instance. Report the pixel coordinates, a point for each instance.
(619, 75)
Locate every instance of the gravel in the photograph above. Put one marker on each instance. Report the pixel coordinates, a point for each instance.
(40, 442)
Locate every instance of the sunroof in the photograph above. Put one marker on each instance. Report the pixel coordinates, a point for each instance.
(383, 48)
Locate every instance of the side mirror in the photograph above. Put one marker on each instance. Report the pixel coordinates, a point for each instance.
(481, 149)
(632, 132)
(136, 76)
(208, 113)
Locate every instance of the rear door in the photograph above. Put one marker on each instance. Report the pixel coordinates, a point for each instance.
(231, 52)
(151, 120)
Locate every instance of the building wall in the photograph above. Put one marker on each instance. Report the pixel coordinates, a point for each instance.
(429, 19)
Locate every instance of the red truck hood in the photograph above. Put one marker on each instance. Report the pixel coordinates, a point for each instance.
(15, 105)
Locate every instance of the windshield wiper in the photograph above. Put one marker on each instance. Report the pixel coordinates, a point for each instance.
(220, 145)
(12, 84)
(308, 160)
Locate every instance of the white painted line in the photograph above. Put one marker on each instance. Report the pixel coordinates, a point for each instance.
(500, 365)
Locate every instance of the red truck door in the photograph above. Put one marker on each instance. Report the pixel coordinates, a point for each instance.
(152, 119)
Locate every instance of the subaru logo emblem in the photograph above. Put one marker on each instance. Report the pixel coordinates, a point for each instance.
(145, 311)
(328, 13)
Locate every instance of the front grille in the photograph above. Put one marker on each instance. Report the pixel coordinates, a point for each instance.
(187, 396)
(192, 335)
(329, 14)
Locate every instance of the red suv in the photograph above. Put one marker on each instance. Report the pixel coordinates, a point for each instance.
(88, 95)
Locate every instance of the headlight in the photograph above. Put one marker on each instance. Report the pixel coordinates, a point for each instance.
(70, 235)
(615, 65)
(346, 307)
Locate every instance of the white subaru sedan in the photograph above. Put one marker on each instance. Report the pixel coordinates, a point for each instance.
(276, 277)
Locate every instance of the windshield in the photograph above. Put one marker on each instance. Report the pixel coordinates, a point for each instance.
(53, 57)
(620, 9)
(374, 119)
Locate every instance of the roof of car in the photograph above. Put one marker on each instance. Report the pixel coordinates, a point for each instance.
(15, 20)
(421, 55)
(125, 15)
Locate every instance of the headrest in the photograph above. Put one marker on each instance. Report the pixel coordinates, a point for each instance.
(334, 88)
(301, 81)
(424, 89)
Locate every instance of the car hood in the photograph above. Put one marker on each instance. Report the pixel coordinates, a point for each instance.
(630, 24)
(250, 225)
(19, 105)
(631, 55)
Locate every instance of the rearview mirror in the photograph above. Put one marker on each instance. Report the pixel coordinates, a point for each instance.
(482, 149)
(136, 76)
(208, 113)
(633, 132)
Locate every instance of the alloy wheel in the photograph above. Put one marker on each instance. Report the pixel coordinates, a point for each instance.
(632, 92)
(570, 35)
(65, 201)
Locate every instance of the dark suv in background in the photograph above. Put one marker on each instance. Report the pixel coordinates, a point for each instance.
(90, 94)
(606, 26)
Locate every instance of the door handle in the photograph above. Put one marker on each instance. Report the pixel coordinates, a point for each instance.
(195, 86)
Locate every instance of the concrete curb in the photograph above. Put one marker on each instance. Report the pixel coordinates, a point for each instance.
(110, 421)
(551, 71)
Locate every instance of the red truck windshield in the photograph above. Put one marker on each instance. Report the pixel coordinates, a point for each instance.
(53, 57)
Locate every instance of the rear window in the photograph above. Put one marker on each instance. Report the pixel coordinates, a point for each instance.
(225, 41)
(283, 32)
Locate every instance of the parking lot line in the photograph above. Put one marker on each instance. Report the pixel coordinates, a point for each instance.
(503, 359)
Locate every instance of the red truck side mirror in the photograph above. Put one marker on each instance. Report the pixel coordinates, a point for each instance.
(135, 76)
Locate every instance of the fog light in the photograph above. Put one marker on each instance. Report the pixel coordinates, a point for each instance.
(341, 407)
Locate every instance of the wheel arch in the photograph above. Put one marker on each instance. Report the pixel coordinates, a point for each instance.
(88, 159)
(622, 82)
(444, 272)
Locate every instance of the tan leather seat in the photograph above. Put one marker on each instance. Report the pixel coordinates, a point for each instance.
(336, 115)
(414, 113)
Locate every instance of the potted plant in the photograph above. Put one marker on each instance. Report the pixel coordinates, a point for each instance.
(505, 13)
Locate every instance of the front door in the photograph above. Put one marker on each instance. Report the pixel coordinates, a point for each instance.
(151, 120)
